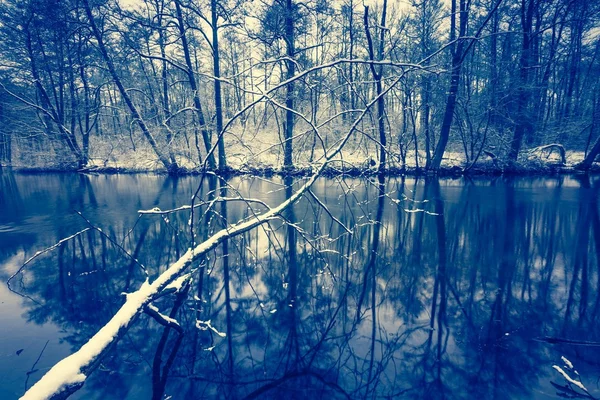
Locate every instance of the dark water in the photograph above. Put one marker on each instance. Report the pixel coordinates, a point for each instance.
(476, 296)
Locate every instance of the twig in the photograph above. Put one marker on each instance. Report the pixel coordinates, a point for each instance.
(32, 370)
(555, 340)
(319, 202)
(142, 266)
(39, 253)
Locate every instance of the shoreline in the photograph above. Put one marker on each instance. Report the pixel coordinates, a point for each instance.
(350, 170)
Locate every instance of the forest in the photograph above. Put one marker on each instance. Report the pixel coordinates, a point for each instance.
(234, 85)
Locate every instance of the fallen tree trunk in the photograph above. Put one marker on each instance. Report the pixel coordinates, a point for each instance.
(559, 147)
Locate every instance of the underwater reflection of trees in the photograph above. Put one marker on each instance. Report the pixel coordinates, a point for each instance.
(438, 292)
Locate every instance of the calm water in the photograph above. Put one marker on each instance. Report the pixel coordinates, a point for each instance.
(477, 295)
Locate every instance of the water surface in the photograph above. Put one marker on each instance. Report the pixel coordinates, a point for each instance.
(451, 288)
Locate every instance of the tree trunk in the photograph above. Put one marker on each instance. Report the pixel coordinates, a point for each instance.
(591, 156)
(291, 71)
(217, 72)
(493, 101)
(193, 84)
(85, 131)
(165, 85)
(5, 139)
(377, 75)
(457, 57)
(351, 66)
(171, 167)
(523, 119)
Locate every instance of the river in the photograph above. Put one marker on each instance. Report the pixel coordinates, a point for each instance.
(409, 288)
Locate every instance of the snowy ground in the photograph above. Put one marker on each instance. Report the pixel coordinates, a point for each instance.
(262, 149)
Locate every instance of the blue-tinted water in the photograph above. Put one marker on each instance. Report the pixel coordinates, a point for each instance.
(453, 289)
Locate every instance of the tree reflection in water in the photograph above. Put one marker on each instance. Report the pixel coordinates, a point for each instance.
(443, 289)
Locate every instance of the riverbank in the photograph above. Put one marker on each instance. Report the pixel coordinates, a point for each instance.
(347, 169)
(262, 155)
(355, 163)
